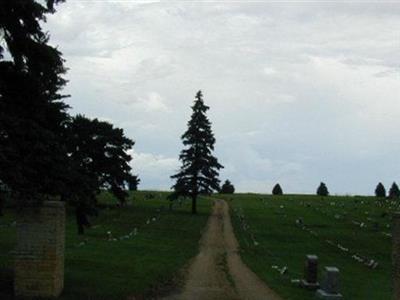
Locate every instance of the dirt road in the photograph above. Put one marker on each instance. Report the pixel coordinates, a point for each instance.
(218, 271)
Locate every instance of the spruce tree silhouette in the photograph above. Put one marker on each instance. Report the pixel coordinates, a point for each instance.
(277, 190)
(394, 191)
(322, 190)
(33, 158)
(380, 190)
(200, 169)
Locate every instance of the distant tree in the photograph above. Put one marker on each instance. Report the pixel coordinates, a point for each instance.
(227, 188)
(322, 190)
(277, 190)
(98, 159)
(380, 190)
(133, 183)
(394, 191)
(200, 169)
(32, 114)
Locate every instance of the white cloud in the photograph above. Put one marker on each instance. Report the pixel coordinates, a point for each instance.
(298, 93)
(154, 169)
(152, 102)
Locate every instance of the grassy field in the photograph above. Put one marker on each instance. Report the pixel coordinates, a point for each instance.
(334, 228)
(112, 266)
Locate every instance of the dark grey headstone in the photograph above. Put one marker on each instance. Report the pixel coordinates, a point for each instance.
(330, 284)
(310, 280)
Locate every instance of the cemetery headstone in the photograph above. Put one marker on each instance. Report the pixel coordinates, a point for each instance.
(330, 285)
(310, 280)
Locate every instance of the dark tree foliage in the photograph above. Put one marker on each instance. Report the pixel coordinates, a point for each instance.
(200, 169)
(3, 193)
(227, 188)
(98, 159)
(277, 190)
(133, 183)
(322, 190)
(394, 191)
(32, 114)
(380, 190)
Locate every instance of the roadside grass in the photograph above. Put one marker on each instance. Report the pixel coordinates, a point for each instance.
(115, 265)
(272, 238)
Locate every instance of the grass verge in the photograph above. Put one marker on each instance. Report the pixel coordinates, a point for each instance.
(112, 262)
(278, 231)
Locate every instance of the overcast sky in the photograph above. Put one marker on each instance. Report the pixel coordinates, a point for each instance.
(300, 92)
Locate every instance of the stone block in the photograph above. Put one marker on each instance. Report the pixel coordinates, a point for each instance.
(330, 284)
(310, 280)
(39, 255)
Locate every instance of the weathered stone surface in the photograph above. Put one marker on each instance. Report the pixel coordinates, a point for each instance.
(39, 259)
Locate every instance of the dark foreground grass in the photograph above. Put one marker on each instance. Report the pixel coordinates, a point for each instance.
(270, 238)
(110, 261)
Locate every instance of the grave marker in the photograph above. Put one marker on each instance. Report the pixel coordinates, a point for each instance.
(330, 285)
(310, 280)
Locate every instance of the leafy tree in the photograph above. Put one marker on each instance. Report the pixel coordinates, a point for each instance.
(380, 190)
(394, 191)
(322, 190)
(133, 182)
(200, 169)
(32, 112)
(277, 190)
(98, 159)
(227, 188)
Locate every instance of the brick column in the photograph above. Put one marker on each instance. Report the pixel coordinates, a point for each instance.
(39, 261)
(396, 256)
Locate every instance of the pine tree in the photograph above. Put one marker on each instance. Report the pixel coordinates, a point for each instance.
(33, 159)
(322, 190)
(200, 169)
(394, 191)
(380, 190)
(277, 190)
(227, 188)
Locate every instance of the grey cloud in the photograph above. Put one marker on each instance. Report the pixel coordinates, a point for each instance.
(299, 92)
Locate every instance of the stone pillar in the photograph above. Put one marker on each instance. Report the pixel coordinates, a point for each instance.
(310, 280)
(396, 256)
(330, 285)
(39, 261)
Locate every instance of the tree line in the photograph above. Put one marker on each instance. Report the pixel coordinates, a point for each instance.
(45, 153)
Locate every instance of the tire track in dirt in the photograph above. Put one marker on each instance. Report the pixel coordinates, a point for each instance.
(218, 272)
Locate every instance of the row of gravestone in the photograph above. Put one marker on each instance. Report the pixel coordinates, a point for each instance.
(39, 261)
(329, 287)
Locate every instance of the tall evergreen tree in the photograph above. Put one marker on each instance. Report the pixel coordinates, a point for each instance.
(200, 169)
(277, 190)
(322, 190)
(227, 188)
(32, 114)
(394, 191)
(380, 190)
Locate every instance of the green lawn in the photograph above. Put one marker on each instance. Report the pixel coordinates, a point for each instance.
(270, 238)
(141, 264)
